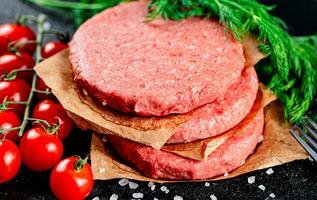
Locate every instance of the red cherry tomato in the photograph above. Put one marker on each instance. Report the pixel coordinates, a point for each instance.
(9, 120)
(40, 85)
(40, 150)
(15, 33)
(15, 90)
(10, 160)
(50, 111)
(68, 183)
(3, 45)
(10, 61)
(52, 48)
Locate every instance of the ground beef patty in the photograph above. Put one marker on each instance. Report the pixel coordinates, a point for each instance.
(160, 164)
(157, 68)
(222, 114)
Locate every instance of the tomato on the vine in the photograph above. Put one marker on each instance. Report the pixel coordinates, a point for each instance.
(10, 160)
(20, 35)
(72, 178)
(52, 48)
(3, 45)
(14, 91)
(51, 112)
(10, 62)
(9, 120)
(40, 149)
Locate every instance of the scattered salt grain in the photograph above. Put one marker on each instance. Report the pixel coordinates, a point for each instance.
(272, 195)
(178, 197)
(133, 185)
(251, 179)
(137, 195)
(167, 191)
(155, 198)
(163, 188)
(310, 159)
(153, 187)
(269, 171)
(101, 170)
(150, 184)
(261, 187)
(213, 197)
(114, 197)
(207, 184)
(96, 198)
(226, 174)
(123, 182)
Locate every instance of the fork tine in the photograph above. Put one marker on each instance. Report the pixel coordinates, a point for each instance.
(311, 132)
(304, 144)
(311, 122)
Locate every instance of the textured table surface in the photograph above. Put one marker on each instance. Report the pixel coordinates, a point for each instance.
(296, 180)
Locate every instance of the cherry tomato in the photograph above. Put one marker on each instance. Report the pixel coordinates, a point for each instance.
(50, 111)
(10, 160)
(3, 45)
(15, 90)
(40, 150)
(10, 61)
(9, 120)
(68, 183)
(15, 33)
(40, 85)
(52, 48)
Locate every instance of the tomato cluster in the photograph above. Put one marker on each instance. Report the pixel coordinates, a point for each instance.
(40, 148)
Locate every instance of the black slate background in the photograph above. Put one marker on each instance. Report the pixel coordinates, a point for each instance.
(296, 180)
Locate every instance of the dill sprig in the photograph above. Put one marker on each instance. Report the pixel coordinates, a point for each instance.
(292, 61)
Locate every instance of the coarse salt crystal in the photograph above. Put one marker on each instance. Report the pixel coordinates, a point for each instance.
(101, 170)
(251, 179)
(155, 198)
(150, 184)
(226, 174)
(167, 191)
(213, 197)
(207, 184)
(114, 197)
(123, 182)
(153, 187)
(269, 171)
(261, 187)
(133, 185)
(178, 197)
(272, 195)
(137, 195)
(96, 198)
(310, 159)
(163, 188)
(46, 26)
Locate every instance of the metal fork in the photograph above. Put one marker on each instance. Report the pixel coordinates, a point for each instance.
(306, 134)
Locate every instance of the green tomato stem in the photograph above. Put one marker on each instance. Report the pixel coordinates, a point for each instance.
(40, 33)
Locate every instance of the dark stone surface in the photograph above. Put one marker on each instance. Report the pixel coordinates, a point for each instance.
(296, 180)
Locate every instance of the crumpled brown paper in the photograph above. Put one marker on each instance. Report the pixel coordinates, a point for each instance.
(278, 147)
(56, 72)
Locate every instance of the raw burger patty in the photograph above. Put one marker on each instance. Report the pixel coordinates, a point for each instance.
(222, 114)
(165, 165)
(157, 68)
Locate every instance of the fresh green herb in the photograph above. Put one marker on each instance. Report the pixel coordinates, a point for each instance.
(290, 69)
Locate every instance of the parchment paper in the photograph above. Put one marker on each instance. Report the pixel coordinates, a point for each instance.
(278, 147)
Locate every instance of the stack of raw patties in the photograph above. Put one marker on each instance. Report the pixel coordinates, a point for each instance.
(186, 79)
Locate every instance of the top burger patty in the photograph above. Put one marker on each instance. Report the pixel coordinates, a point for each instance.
(157, 68)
